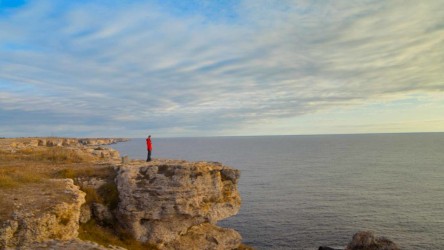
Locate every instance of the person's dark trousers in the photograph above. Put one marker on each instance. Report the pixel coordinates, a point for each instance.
(149, 156)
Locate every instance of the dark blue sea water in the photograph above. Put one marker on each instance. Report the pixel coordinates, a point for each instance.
(301, 192)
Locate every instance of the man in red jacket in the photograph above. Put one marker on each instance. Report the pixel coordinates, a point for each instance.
(149, 147)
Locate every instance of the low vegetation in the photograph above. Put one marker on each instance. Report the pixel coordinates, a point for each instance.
(113, 235)
(33, 165)
(11, 176)
(39, 164)
(51, 155)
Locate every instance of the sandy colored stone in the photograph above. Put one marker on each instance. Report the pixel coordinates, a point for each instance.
(102, 214)
(58, 220)
(206, 236)
(163, 199)
(85, 214)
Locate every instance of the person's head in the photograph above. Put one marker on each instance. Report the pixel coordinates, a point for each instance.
(149, 136)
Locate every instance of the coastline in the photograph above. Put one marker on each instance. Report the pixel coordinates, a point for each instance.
(94, 175)
(98, 187)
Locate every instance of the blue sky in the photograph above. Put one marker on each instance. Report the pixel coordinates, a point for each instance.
(204, 68)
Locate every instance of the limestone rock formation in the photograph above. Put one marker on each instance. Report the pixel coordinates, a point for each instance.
(207, 236)
(166, 202)
(102, 213)
(85, 214)
(59, 220)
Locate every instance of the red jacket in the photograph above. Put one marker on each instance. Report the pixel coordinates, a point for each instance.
(149, 145)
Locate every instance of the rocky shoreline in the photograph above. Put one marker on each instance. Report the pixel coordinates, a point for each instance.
(162, 204)
(165, 204)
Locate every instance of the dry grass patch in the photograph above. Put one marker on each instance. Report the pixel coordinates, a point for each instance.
(27, 170)
(91, 195)
(14, 176)
(105, 236)
(84, 170)
(53, 155)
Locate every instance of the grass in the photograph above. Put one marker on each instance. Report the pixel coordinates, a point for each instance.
(86, 171)
(33, 165)
(54, 155)
(11, 177)
(91, 195)
(107, 195)
(106, 236)
(38, 164)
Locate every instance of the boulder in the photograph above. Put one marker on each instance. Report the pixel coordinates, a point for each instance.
(206, 236)
(368, 241)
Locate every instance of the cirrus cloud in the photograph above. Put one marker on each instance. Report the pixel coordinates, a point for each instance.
(129, 67)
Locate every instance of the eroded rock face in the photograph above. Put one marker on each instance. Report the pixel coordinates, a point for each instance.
(60, 221)
(206, 236)
(163, 200)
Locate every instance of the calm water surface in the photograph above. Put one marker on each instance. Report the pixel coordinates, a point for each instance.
(300, 192)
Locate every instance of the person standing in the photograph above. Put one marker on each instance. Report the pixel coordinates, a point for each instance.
(149, 147)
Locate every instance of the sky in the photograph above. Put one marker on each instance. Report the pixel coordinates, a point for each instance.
(220, 68)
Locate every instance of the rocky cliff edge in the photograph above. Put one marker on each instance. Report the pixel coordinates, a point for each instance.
(165, 204)
(176, 204)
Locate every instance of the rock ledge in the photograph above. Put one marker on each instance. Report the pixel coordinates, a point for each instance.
(167, 202)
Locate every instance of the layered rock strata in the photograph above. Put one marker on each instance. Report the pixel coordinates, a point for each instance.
(177, 203)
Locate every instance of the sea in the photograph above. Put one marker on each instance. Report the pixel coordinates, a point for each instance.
(306, 191)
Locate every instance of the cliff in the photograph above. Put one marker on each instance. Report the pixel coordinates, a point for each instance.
(83, 187)
(176, 204)
(64, 193)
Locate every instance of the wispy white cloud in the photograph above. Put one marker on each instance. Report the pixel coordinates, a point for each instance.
(137, 66)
